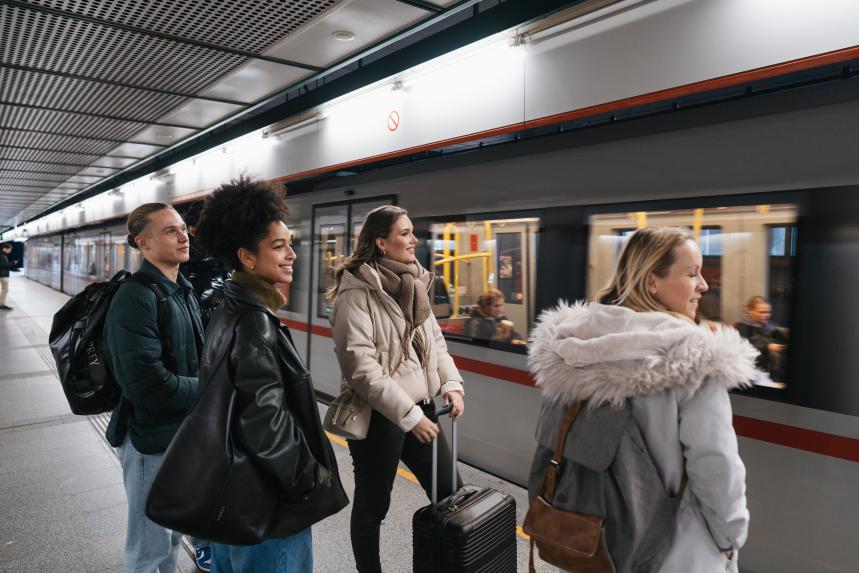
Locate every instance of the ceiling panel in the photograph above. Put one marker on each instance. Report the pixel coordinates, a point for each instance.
(369, 20)
(255, 80)
(200, 113)
(134, 150)
(163, 135)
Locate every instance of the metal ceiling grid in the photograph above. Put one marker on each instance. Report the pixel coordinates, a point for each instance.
(16, 117)
(97, 51)
(244, 25)
(48, 157)
(98, 73)
(80, 96)
(13, 138)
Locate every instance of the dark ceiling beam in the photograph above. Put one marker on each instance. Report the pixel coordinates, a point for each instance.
(24, 193)
(156, 34)
(138, 87)
(48, 185)
(98, 115)
(422, 5)
(62, 163)
(43, 172)
(77, 136)
(96, 155)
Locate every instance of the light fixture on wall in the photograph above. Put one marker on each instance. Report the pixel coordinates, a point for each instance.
(291, 124)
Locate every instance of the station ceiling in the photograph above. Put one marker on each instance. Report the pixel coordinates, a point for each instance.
(91, 88)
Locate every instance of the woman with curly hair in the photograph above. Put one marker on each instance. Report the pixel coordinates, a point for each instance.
(392, 353)
(277, 422)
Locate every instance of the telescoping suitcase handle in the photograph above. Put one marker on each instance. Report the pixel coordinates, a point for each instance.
(438, 414)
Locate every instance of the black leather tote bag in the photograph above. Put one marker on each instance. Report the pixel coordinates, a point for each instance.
(206, 486)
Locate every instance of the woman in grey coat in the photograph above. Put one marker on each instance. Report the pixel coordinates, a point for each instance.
(639, 345)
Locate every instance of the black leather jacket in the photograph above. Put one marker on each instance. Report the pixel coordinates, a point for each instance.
(278, 421)
(207, 276)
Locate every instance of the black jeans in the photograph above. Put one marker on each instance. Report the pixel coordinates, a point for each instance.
(375, 460)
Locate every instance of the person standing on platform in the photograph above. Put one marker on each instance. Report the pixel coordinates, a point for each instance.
(276, 418)
(638, 346)
(206, 274)
(158, 384)
(392, 353)
(5, 265)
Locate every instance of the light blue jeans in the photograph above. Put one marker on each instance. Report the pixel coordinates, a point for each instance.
(149, 547)
(293, 554)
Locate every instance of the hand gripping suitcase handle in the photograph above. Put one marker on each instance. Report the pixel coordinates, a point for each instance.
(438, 414)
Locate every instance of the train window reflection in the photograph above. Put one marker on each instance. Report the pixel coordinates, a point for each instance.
(484, 278)
(332, 250)
(748, 254)
(333, 244)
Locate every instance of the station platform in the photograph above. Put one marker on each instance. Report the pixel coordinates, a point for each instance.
(64, 506)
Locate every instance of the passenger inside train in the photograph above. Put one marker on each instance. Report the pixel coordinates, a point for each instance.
(486, 320)
(768, 338)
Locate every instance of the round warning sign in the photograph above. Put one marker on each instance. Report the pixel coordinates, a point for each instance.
(393, 121)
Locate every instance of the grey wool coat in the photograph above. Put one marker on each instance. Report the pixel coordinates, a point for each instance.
(673, 377)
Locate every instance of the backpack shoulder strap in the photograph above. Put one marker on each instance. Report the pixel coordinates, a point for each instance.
(163, 316)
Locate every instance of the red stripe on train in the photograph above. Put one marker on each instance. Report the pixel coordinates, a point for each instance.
(798, 438)
(822, 443)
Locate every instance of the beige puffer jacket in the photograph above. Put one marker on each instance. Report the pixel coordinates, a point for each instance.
(368, 332)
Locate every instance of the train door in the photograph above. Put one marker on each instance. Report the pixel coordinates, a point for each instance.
(335, 231)
(117, 255)
(103, 256)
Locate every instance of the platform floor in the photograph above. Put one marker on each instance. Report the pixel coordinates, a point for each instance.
(61, 494)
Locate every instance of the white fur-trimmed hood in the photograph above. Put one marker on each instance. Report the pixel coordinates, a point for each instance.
(603, 353)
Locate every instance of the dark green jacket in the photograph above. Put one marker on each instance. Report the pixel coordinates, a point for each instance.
(155, 400)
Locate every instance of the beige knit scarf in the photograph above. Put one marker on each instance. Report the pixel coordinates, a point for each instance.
(407, 283)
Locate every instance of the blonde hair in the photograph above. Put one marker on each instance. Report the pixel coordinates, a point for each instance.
(139, 218)
(648, 250)
(754, 301)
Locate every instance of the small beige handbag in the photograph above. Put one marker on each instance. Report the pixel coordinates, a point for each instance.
(348, 416)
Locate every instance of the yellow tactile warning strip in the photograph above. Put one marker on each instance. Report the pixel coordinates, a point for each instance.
(411, 477)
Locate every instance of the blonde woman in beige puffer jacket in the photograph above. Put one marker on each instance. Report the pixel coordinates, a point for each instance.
(392, 353)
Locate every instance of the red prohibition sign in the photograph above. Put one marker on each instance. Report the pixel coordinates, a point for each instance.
(393, 121)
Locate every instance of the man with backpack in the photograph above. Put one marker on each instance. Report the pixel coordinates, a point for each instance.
(153, 337)
(5, 265)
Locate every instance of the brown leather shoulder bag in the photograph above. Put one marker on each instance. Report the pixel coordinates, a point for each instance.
(572, 541)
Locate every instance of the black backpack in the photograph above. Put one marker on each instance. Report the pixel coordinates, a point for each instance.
(78, 349)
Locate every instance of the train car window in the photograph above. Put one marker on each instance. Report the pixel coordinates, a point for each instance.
(781, 256)
(748, 255)
(485, 277)
(332, 223)
(332, 250)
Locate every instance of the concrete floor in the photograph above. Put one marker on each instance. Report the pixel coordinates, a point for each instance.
(61, 494)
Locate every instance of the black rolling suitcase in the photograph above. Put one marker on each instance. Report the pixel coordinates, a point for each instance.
(471, 531)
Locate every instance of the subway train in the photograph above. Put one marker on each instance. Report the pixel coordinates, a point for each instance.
(767, 185)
